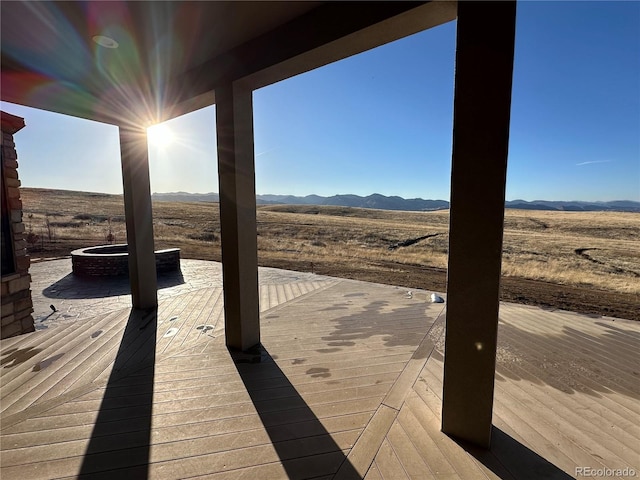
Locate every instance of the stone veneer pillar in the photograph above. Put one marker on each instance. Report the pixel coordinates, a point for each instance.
(17, 305)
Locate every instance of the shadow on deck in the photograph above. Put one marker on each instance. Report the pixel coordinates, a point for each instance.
(109, 449)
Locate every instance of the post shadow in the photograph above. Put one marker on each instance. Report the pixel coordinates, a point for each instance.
(304, 446)
(72, 286)
(510, 459)
(113, 450)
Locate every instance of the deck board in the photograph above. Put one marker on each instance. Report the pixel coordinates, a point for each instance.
(591, 369)
(348, 385)
(428, 450)
(60, 354)
(403, 448)
(29, 357)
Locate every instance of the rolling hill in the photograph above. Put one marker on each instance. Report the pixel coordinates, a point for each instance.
(382, 202)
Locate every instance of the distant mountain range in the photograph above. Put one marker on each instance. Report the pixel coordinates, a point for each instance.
(398, 203)
(614, 206)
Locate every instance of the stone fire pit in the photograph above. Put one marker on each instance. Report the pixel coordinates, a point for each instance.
(112, 260)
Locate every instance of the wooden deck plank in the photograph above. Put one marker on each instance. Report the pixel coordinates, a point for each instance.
(318, 328)
(79, 371)
(294, 468)
(373, 473)
(273, 416)
(272, 296)
(205, 309)
(198, 445)
(535, 438)
(617, 339)
(50, 342)
(298, 348)
(388, 464)
(269, 293)
(288, 292)
(566, 328)
(281, 294)
(284, 396)
(303, 368)
(546, 441)
(601, 416)
(601, 411)
(424, 444)
(179, 329)
(306, 287)
(412, 463)
(297, 291)
(580, 378)
(189, 458)
(366, 448)
(232, 384)
(397, 394)
(268, 470)
(463, 464)
(575, 436)
(180, 431)
(195, 407)
(271, 470)
(201, 332)
(553, 441)
(173, 312)
(75, 371)
(293, 355)
(251, 456)
(221, 380)
(136, 350)
(56, 358)
(306, 377)
(584, 355)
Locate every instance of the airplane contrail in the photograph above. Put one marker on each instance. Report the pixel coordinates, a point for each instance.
(265, 152)
(593, 161)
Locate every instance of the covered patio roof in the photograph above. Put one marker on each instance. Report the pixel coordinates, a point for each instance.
(135, 63)
(160, 59)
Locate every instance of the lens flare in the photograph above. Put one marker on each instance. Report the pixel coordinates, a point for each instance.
(160, 136)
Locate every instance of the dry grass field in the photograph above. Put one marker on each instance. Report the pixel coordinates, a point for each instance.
(587, 262)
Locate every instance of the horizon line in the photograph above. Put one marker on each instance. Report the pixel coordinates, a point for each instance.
(338, 194)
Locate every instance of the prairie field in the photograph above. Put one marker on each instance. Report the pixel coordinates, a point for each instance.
(582, 261)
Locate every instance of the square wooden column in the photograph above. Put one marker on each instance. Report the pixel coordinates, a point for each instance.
(139, 219)
(236, 176)
(482, 103)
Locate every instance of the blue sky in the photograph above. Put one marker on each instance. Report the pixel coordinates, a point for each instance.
(380, 122)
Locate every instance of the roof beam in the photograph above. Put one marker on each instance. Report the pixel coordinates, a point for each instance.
(300, 46)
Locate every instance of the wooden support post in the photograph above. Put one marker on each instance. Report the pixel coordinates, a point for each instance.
(139, 218)
(236, 176)
(482, 103)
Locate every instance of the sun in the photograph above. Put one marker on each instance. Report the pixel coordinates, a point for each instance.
(160, 135)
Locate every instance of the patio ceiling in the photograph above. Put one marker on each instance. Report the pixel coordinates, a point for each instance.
(170, 55)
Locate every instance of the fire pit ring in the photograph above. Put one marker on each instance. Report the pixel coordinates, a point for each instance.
(113, 260)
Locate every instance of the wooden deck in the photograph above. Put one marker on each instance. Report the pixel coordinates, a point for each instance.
(346, 385)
